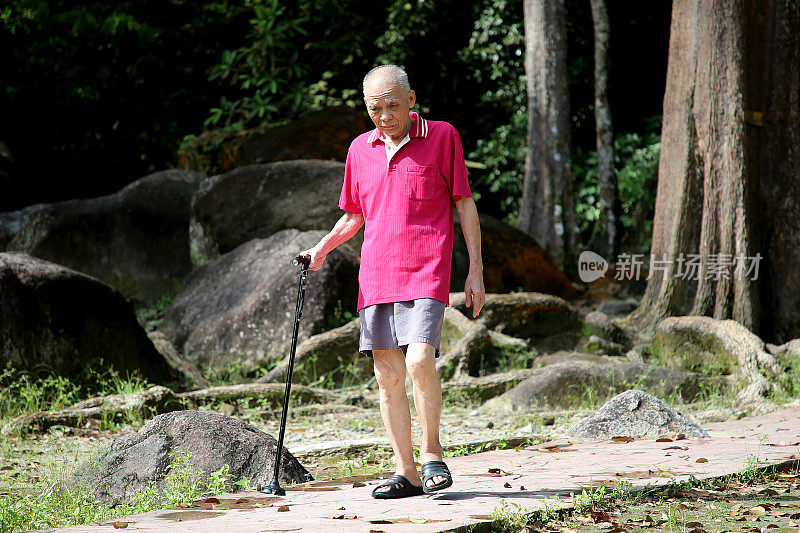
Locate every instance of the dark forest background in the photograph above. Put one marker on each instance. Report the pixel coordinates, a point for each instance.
(98, 94)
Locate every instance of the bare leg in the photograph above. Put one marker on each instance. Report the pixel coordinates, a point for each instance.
(421, 362)
(390, 373)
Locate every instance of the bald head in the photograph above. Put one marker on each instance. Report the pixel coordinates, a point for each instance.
(389, 99)
(390, 73)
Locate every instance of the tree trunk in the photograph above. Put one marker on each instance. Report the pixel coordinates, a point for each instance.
(547, 210)
(605, 237)
(729, 171)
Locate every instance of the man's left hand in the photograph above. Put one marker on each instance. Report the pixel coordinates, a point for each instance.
(474, 292)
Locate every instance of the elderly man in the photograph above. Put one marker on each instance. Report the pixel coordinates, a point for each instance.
(401, 182)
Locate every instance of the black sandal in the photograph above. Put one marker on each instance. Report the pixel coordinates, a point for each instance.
(399, 487)
(430, 470)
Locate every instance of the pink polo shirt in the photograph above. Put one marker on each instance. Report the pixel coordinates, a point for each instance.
(407, 204)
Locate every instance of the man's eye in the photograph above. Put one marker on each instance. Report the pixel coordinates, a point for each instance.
(394, 106)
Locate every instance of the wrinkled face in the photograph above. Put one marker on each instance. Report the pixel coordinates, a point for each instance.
(388, 105)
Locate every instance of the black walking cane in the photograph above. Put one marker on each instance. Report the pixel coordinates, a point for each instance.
(275, 487)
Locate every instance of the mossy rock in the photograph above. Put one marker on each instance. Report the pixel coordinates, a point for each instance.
(707, 345)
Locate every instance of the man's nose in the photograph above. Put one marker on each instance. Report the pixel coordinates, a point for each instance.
(386, 115)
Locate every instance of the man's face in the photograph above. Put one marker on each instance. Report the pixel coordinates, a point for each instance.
(388, 105)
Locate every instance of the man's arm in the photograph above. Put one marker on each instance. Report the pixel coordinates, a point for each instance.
(471, 227)
(346, 227)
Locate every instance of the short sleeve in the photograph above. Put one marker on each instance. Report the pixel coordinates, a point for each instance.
(456, 170)
(349, 200)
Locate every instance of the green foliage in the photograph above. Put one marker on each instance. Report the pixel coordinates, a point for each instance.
(509, 517)
(636, 161)
(495, 61)
(104, 85)
(25, 392)
(266, 72)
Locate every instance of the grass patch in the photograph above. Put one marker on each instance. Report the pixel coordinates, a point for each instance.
(54, 500)
(24, 392)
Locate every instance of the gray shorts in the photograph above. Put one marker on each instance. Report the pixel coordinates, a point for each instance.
(393, 326)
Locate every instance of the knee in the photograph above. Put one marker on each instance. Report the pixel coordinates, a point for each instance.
(386, 375)
(420, 364)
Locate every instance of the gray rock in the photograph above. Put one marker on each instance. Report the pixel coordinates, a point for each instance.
(634, 413)
(598, 323)
(617, 307)
(578, 381)
(136, 240)
(239, 308)
(332, 354)
(602, 346)
(133, 461)
(257, 201)
(524, 314)
(54, 317)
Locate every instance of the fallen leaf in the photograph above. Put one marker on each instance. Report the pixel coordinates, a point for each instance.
(382, 521)
(522, 487)
(694, 524)
(242, 500)
(340, 508)
(618, 529)
(6, 467)
(698, 530)
(480, 517)
(680, 436)
(676, 448)
(283, 508)
(418, 520)
(376, 531)
(622, 439)
(336, 517)
(507, 485)
(358, 484)
(211, 500)
(663, 439)
(785, 443)
(702, 460)
(120, 525)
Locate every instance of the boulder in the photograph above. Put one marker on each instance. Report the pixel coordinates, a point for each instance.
(512, 261)
(259, 200)
(54, 317)
(618, 307)
(574, 382)
(134, 461)
(524, 314)
(239, 308)
(598, 323)
(634, 413)
(331, 356)
(324, 134)
(717, 347)
(136, 240)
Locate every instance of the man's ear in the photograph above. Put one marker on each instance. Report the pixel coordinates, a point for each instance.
(412, 99)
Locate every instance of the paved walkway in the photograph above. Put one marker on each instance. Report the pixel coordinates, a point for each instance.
(527, 477)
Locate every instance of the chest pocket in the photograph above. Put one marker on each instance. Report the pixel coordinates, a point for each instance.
(423, 182)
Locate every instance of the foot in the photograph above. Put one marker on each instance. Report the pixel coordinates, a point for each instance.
(436, 476)
(427, 457)
(396, 486)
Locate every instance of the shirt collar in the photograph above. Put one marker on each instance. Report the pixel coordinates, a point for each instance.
(418, 129)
